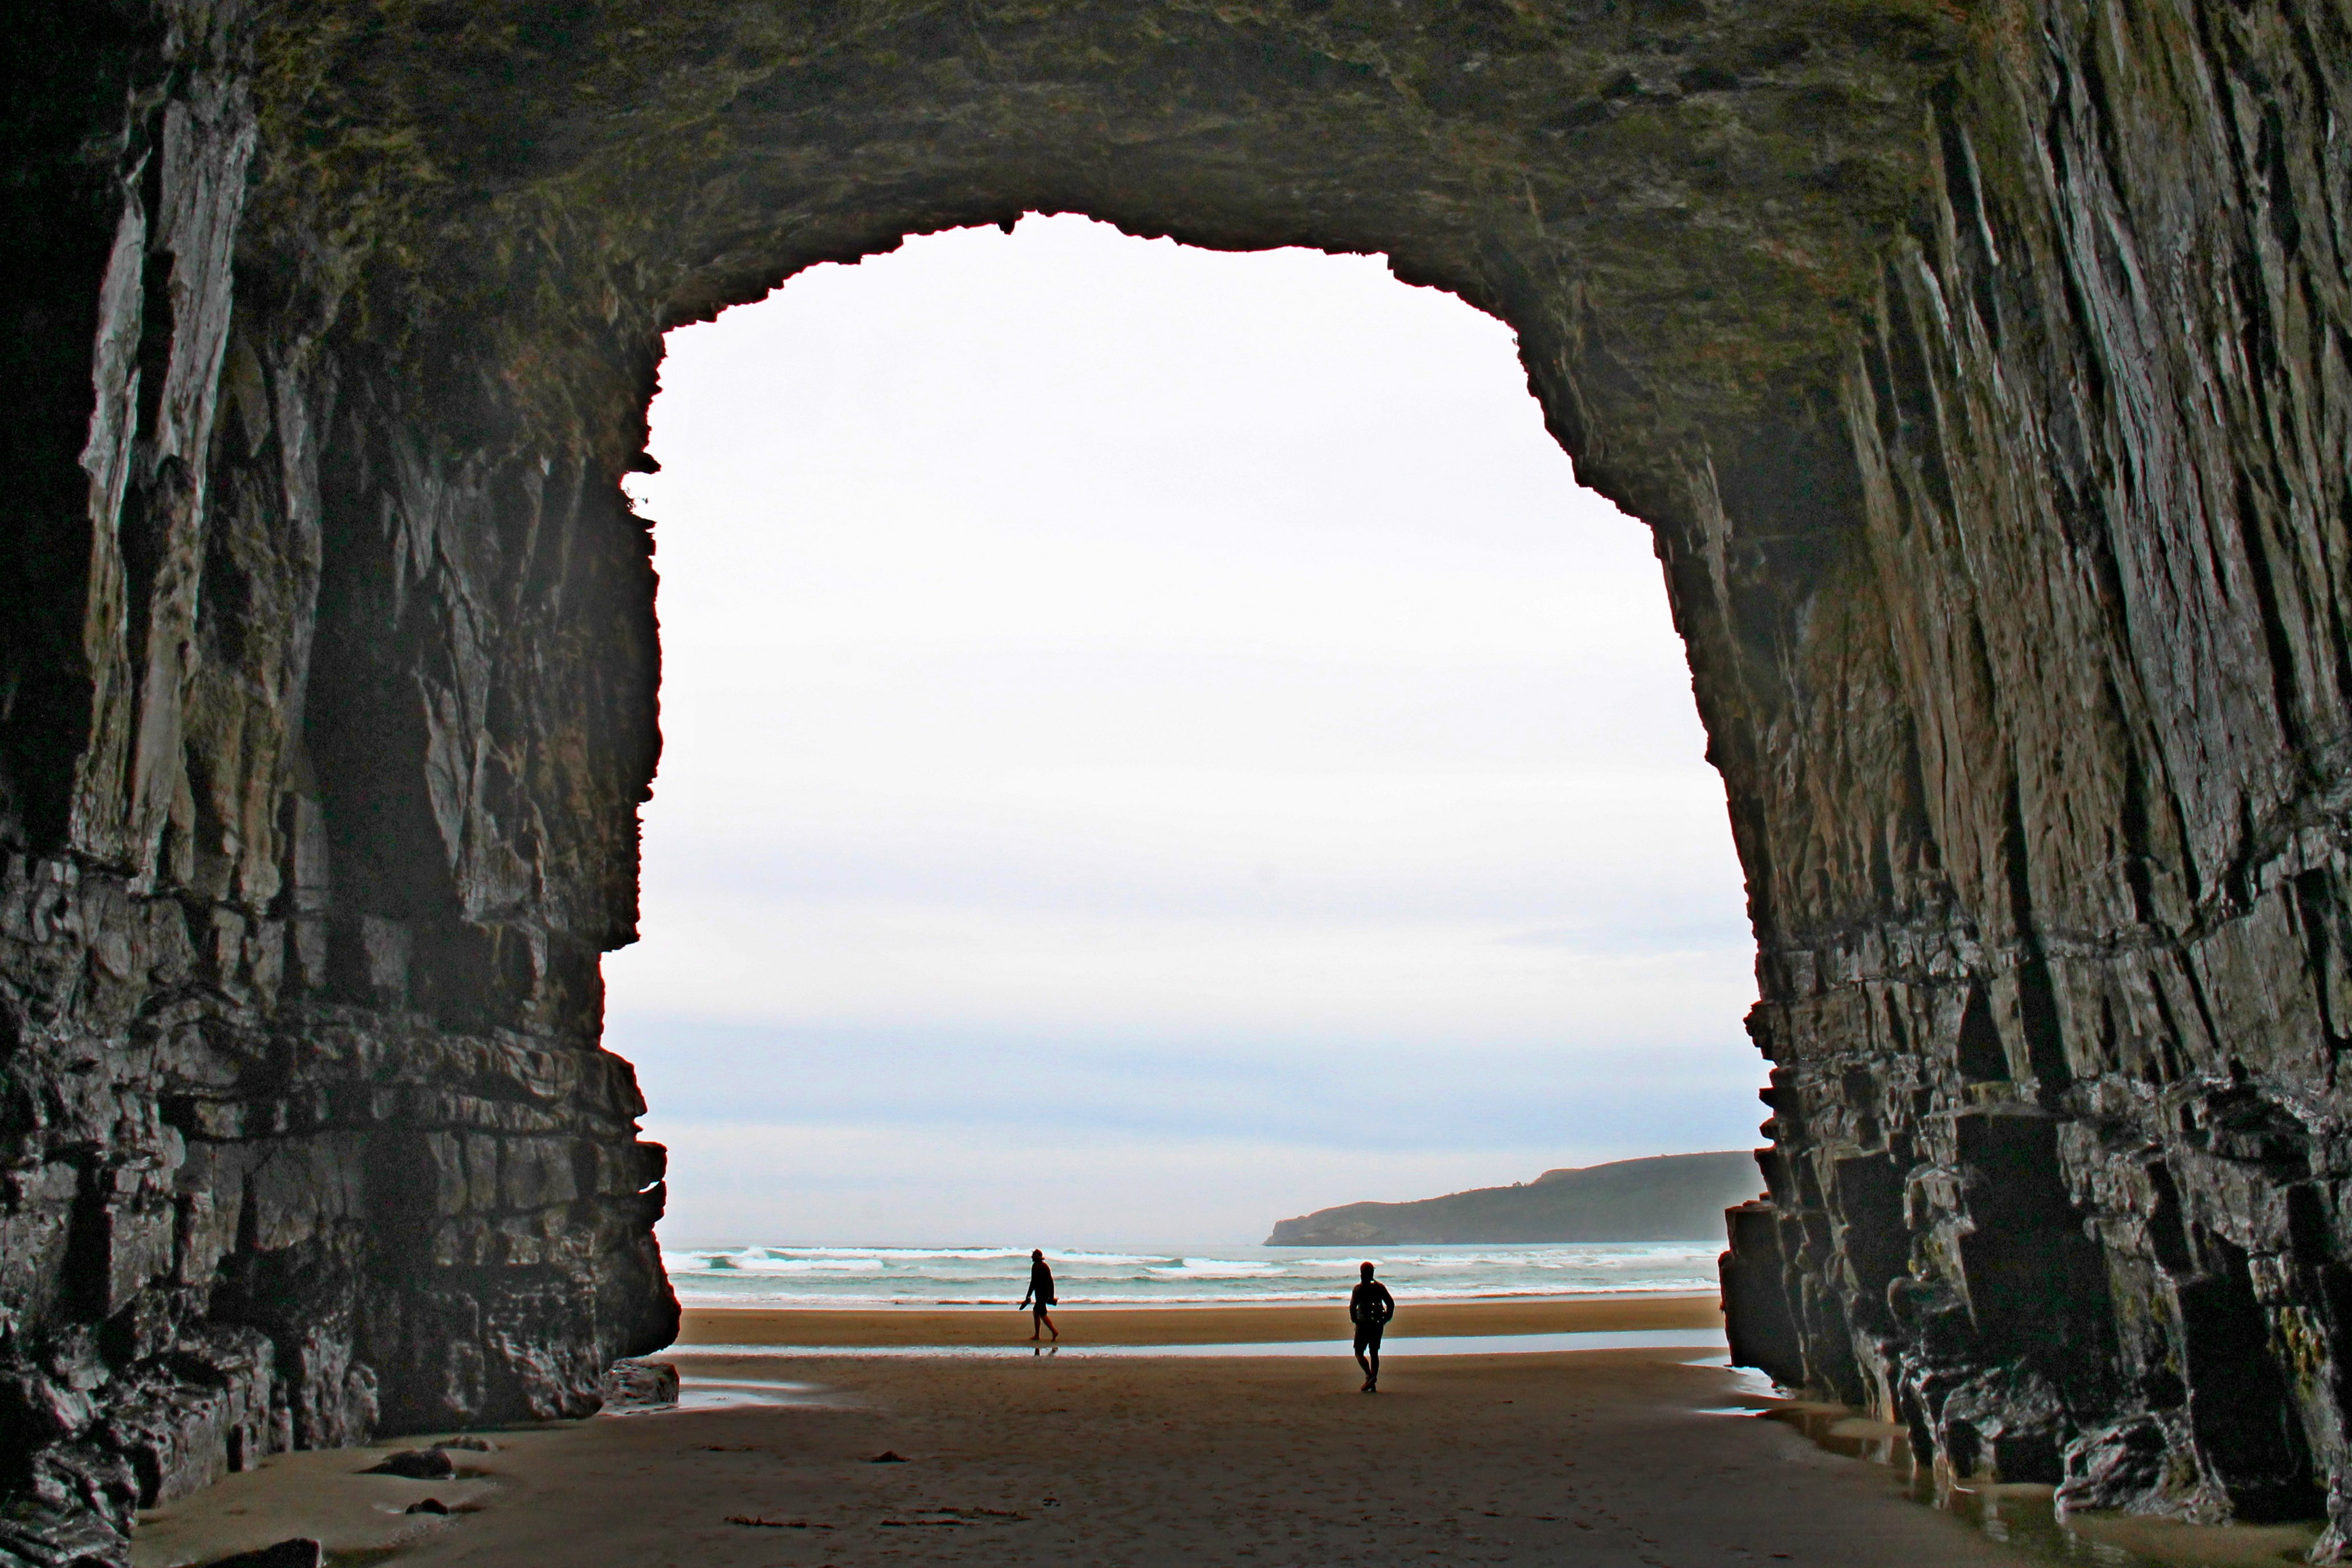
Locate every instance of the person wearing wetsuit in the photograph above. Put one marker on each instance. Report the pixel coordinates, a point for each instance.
(1370, 1307)
(1040, 1292)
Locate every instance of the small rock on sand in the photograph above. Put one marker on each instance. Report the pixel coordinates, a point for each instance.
(639, 1386)
(417, 1465)
(300, 1552)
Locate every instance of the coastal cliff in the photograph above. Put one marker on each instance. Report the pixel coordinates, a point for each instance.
(1670, 1198)
(1984, 369)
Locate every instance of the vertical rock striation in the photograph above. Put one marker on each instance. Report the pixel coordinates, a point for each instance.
(2053, 961)
(1981, 366)
(305, 1133)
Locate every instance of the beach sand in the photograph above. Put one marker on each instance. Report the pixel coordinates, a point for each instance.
(1251, 1325)
(1596, 1458)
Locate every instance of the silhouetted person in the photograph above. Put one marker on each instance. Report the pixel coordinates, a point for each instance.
(1040, 1292)
(1370, 1307)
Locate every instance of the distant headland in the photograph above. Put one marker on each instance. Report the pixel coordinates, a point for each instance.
(1670, 1198)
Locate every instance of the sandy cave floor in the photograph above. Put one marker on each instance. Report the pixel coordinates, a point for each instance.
(1592, 1459)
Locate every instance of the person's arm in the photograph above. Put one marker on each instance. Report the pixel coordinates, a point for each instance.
(1388, 1304)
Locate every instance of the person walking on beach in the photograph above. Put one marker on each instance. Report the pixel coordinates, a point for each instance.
(1040, 1292)
(1370, 1307)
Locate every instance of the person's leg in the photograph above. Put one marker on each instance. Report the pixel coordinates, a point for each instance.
(1047, 1318)
(1362, 1363)
(1036, 1321)
(1372, 1360)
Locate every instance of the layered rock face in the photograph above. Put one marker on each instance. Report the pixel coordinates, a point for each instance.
(305, 1133)
(1981, 367)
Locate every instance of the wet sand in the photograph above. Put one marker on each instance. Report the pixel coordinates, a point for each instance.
(1251, 1325)
(1600, 1458)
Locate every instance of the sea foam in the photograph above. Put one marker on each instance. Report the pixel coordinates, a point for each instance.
(844, 1276)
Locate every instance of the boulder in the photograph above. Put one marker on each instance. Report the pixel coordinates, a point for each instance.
(640, 1385)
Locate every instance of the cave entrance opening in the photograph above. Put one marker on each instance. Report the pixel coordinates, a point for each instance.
(1155, 740)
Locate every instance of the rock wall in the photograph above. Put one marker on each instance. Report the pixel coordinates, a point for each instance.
(2054, 963)
(305, 1133)
(1980, 365)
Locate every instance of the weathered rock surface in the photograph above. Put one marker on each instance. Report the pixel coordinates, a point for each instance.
(305, 1134)
(1667, 1198)
(634, 1384)
(1981, 365)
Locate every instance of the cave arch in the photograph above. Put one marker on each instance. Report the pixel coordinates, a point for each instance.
(1981, 368)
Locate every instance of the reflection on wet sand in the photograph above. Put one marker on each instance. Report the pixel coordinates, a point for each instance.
(2023, 1514)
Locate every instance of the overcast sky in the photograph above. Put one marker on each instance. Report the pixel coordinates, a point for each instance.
(1155, 742)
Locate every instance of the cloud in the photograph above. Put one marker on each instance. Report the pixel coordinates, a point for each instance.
(751, 1183)
(1114, 690)
(1350, 1092)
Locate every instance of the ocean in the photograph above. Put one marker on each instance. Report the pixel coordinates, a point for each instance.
(929, 1276)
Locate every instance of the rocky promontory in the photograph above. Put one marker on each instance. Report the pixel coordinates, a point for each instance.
(1668, 1197)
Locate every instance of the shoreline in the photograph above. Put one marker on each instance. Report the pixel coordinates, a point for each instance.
(712, 1303)
(1190, 1324)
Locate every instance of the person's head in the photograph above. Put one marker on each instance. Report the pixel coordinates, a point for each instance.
(1036, 1255)
(1368, 1270)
